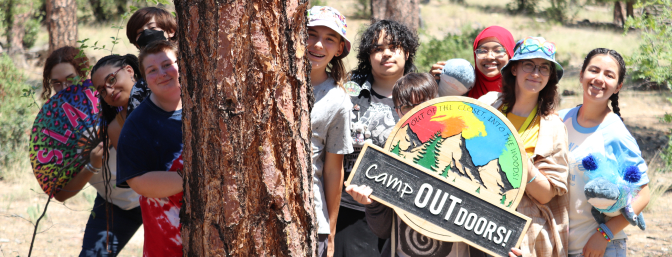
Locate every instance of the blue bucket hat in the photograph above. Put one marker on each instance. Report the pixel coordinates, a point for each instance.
(536, 47)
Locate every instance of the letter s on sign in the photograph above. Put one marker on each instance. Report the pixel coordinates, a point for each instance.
(50, 155)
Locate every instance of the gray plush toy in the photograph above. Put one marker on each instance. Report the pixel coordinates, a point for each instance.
(457, 79)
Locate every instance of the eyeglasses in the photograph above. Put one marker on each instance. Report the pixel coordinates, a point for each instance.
(545, 70)
(498, 52)
(403, 109)
(59, 84)
(110, 81)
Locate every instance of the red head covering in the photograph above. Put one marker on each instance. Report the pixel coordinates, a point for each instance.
(485, 84)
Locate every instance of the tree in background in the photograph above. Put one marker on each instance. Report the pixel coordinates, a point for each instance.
(61, 23)
(404, 11)
(246, 128)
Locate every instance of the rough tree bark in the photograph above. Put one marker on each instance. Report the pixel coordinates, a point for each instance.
(246, 128)
(61, 23)
(403, 11)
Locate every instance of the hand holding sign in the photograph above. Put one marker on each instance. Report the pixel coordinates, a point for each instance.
(453, 171)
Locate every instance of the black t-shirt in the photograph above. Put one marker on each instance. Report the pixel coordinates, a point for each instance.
(373, 118)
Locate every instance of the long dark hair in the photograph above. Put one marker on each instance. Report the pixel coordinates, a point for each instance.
(621, 72)
(547, 96)
(108, 114)
(397, 34)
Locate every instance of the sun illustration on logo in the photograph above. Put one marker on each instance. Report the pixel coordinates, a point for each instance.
(465, 143)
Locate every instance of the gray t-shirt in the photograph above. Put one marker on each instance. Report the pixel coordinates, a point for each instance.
(330, 124)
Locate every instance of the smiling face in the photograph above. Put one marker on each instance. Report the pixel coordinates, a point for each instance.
(151, 25)
(531, 75)
(162, 74)
(115, 88)
(600, 78)
(61, 76)
(387, 60)
(323, 45)
(491, 65)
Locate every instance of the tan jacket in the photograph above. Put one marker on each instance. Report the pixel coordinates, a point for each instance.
(549, 231)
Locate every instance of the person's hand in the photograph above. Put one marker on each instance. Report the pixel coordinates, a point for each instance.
(515, 252)
(330, 246)
(96, 156)
(360, 193)
(596, 246)
(437, 69)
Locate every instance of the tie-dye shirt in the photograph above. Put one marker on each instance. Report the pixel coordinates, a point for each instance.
(151, 140)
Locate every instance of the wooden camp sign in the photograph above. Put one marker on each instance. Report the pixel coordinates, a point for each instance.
(453, 169)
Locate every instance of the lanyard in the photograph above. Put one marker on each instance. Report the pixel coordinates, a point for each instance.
(527, 122)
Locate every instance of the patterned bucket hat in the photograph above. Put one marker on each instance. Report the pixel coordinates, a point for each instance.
(536, 47)
(331, 18)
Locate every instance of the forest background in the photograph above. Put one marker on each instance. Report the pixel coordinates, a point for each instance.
(640, 31)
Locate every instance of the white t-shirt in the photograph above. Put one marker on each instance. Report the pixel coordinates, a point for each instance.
(125, 198)
(611, 138)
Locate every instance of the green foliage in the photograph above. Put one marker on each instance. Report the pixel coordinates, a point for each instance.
(396, 150)
(362, 9)
(31, 29)
(449, 47)
(16, 114)
(317, 3)
(652, 61)
(522, 6)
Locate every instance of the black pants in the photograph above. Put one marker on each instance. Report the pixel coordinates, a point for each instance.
(122, 228)
(353, 236)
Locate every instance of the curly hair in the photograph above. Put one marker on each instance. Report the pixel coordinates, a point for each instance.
(547, 96)
(621, 72)
(396, 34)
(66, 54)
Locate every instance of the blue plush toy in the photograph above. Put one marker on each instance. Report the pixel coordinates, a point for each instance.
(457, 79)
(610, 189)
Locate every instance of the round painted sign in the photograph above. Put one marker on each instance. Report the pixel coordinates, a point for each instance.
(469, 144)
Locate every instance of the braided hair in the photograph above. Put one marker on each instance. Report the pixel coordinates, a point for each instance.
(621, 72)
(107, 116)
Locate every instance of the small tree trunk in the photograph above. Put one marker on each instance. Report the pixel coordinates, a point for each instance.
(629, 8)
(619, 14)
(246, 128)
(18, 13)
(61, 23)
(403, 11)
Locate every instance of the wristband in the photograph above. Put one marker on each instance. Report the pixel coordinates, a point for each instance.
(606, 233)
(91, 169)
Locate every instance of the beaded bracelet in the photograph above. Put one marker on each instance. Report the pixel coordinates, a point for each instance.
(604, 234)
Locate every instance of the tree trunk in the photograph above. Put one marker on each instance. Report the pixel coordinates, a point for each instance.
(619, 14)
(246, 128)
(629, 7)
(61, 23)
(403, 11)
(18, 13)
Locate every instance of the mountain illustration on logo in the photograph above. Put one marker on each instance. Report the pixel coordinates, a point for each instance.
(462, 144)
(490, 175)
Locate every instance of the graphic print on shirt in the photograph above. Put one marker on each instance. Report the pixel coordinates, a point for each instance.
(375, 124)
(412, 243)
(161, 218)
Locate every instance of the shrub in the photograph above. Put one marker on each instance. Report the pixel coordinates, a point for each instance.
(16, 115)
(31, 29)
(449, 47)
(652, 61)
